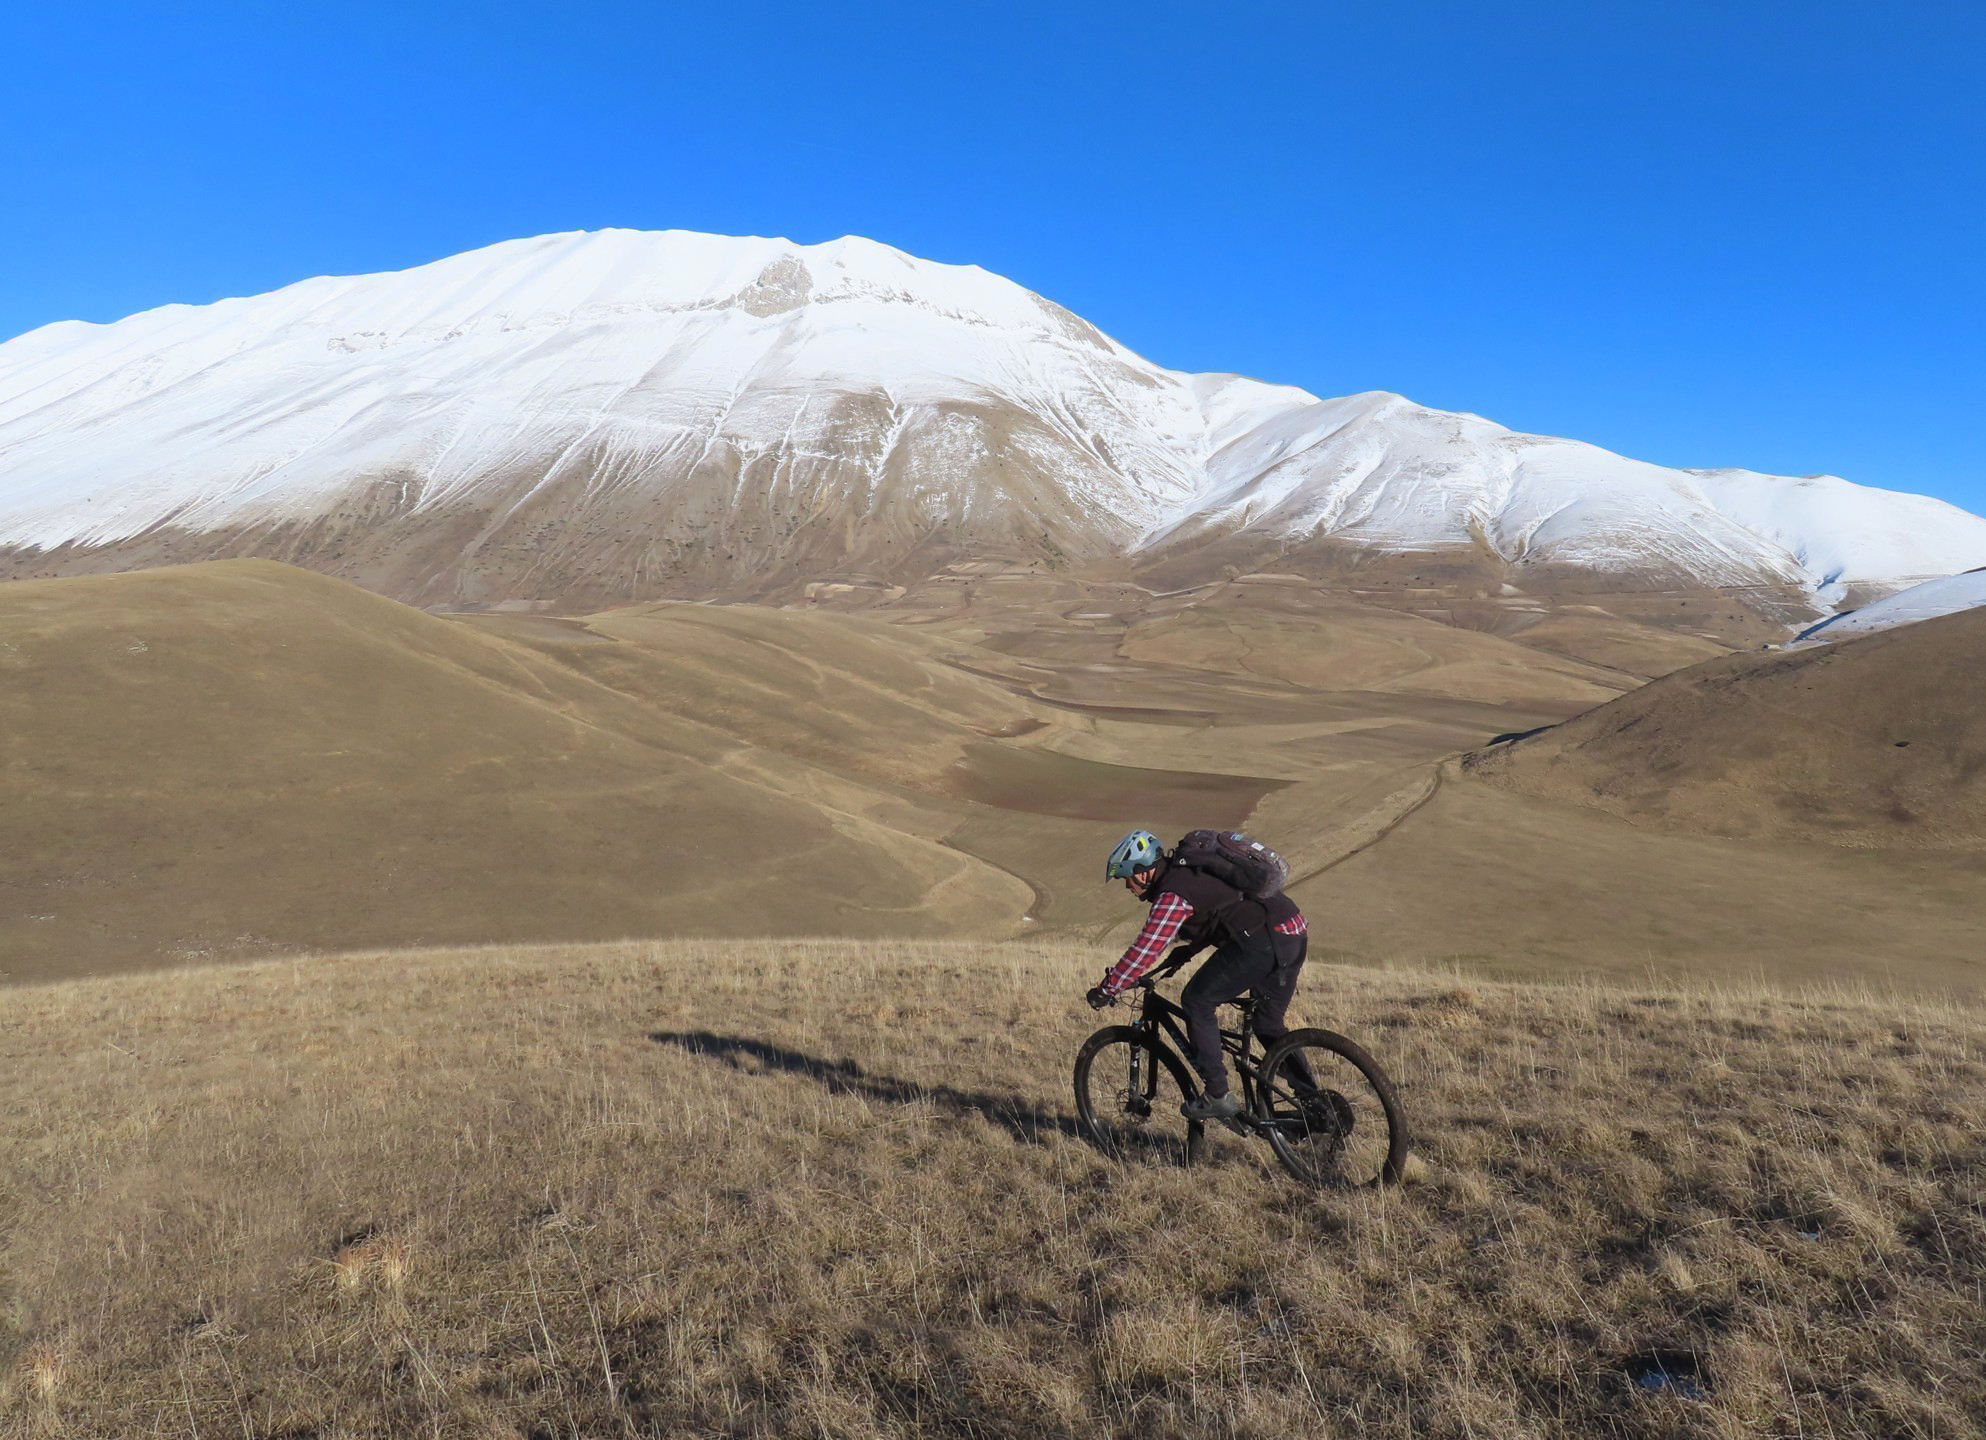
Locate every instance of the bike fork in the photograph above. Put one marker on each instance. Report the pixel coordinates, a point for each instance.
(1136, 1099)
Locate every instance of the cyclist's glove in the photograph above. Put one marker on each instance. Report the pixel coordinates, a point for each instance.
(1099, 997)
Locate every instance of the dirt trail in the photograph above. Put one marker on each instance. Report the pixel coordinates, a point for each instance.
(1336, 844)
(1379, 822)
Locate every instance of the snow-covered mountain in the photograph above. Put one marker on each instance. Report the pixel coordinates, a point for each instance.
(1381, 471)
(1920, 602)
(623, 413)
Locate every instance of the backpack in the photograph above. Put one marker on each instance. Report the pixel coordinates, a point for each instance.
(1233, 859)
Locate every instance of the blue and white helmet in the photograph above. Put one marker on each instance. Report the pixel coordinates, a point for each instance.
(1140, 850)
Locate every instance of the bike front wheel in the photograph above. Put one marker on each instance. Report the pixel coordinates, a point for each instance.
(1330, 1113)
(1128, 1093)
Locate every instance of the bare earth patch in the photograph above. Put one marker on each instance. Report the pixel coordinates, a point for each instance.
(832, 1188)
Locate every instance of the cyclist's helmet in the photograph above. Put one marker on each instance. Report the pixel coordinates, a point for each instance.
(1140, 850)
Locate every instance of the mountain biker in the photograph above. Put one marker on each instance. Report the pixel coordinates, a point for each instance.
(1260, 947)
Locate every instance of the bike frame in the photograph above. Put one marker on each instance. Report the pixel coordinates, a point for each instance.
(1158, 1016)
(1292, 1107)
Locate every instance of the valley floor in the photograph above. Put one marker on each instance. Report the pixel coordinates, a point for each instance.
(833, 1188)
(239, 760)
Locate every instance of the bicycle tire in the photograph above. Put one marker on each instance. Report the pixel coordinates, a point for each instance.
(1104, 1103)
(1315, 1128)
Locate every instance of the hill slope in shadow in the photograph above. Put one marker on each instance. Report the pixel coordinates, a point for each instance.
(1878, 742)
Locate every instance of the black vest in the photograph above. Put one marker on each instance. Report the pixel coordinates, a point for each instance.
(1221, 914)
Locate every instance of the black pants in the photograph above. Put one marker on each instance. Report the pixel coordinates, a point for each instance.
(1266, 966)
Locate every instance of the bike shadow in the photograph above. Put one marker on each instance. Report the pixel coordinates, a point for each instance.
(1029, 1124)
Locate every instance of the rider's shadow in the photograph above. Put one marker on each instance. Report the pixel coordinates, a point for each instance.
(1026, 1123)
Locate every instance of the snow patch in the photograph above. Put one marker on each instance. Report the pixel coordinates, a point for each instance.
(1944, 596)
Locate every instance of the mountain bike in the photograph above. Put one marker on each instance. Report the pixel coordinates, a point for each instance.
(1322, 1103)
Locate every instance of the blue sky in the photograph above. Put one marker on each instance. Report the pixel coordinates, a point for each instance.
(1701, 234)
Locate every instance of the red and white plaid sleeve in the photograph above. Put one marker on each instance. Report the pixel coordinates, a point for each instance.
(1160, 927)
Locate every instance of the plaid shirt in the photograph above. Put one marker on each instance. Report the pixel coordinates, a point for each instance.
(1168, 914)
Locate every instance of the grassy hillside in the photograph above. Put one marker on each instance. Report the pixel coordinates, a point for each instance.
(830, 1188)
(1279, 632)
(1512, 885)
(1873, 742)
(849, 694)
(240, 759)
(244, 757)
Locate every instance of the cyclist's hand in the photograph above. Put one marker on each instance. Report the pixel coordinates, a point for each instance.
(1099, 997)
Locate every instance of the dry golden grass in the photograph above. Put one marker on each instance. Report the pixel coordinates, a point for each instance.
(831, 1188)
(1875, 742)
(209, 763)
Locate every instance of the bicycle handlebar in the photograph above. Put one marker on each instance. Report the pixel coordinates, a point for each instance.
(1171, 965)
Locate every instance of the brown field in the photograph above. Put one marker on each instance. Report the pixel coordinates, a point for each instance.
(244, 759)
(735, 1188)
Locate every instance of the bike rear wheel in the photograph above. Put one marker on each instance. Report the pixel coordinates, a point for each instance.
(1128, 1093)
(1330, 1113)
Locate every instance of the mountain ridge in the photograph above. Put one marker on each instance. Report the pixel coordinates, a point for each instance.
(617, 415)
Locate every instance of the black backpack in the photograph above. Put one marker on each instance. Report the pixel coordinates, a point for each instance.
(1233, 859)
